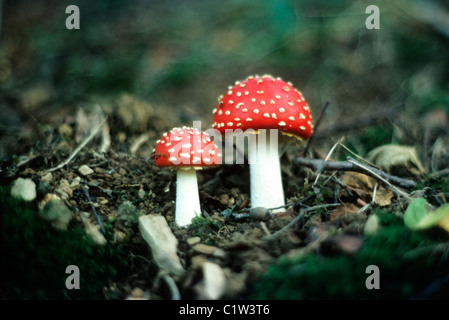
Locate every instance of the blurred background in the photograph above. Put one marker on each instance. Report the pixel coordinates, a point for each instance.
(179, 56)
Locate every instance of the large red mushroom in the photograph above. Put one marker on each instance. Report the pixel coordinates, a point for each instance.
(186, 150)
(260, 104)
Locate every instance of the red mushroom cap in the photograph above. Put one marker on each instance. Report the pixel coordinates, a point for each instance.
(264, 102)
(186, 147)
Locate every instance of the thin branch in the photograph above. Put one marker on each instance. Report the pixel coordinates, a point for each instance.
(297, 218)
(358, 122)
(309, 142)
(79, 148)
(106, 139)
(352, 165)
(327, 158)
(97, 216)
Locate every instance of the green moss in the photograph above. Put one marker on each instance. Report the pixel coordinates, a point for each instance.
(343, 276)
(35, 256)
(204, 228)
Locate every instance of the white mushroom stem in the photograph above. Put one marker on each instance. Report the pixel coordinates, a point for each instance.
(265, 174)
(187, 197)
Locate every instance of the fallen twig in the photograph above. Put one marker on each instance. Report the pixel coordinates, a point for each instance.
(309, 142)
(352, 165)
(79, 148)
(297, 218)
(358, 122)
(86, 193)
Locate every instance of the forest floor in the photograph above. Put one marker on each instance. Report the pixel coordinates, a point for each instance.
(81, 111)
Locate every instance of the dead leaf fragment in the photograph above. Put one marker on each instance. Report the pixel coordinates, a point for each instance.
(397, 159)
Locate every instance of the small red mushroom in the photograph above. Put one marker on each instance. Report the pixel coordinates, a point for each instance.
(264, 102)
(186, 149)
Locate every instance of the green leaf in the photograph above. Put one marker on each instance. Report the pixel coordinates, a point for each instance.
(416, 210)
(417, 217)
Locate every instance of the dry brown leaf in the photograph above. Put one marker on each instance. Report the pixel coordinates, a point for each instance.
(383, 197)
(397, 159)
(358, 180)
(343, 210)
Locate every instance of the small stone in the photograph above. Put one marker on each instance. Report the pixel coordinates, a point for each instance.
(75, 183)
(24, 189)
(85, 214)
(141, 193)
(213, 284)
(94, 233)
(209, 250)
(85, 170)
(64, 188)
(193, 241)
(119, 236)
(137, 293)
(372, 224)
(54, 210)
(224, 199)
(47, 178)
(163, 243)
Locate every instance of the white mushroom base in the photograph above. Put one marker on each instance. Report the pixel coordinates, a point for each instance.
(265, 177)
(187, 197)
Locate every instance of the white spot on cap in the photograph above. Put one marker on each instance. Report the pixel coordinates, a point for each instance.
(256, 111)
(227, 112)
(262, 102)
(260, 92)
(236, 119)
(244, 110)
(230, 124)
(238, 94)
(273, 115)
(266, 115)
(238, 105)
(249, 119)
(282, 123)
(220, 112)
(281, 110)
(246, 93)
(272, 101)
(229, 92)
(291, 118)
(302, 116)
(286, 88)
(253, 99)
(278, 96)
(215, 110)
(302, 128)
(230, 102)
